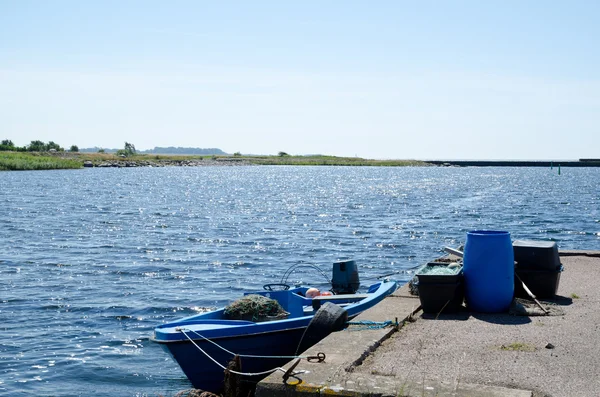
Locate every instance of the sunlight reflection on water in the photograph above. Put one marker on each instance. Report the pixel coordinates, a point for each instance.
(92, 260)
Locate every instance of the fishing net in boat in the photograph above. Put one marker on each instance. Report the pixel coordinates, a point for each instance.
(255, 308)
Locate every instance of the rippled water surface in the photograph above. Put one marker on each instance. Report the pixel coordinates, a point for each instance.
(91, 260)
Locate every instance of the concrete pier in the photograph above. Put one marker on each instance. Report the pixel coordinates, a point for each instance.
(516, 163)
(463, 354)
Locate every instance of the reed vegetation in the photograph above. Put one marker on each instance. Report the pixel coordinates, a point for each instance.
(18, 161)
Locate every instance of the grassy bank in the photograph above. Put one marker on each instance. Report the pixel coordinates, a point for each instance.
(256, 160)
(328, 160)
(13, 161)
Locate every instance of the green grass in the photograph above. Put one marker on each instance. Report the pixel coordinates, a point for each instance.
(13, 161)
(575, 296)
(518, 346)
(60, 160)
(327, 160)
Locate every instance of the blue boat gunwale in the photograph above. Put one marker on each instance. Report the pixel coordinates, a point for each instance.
(193, 325)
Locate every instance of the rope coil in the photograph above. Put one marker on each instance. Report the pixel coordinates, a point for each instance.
(368, 324)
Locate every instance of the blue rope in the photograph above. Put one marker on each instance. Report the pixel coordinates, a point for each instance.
(368, 324)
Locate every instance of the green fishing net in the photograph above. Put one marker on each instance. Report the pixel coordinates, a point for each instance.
(255, 308)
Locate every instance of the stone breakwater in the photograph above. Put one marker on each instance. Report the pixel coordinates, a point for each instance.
(164, 163)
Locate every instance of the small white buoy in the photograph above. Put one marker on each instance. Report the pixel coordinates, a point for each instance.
(312, 292)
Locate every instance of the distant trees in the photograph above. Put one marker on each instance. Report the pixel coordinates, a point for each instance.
(34, 146)
(129, 148)
(51, 145)
(161, 150)
(282, 154)
(39, 146)
(184, 151)
(7, 145)
(127, 151)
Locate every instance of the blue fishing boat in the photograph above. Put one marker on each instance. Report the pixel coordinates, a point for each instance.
(203, 345)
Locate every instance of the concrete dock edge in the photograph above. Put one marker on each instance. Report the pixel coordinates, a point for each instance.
(370, 362)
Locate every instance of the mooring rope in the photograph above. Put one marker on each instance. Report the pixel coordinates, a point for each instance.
(232, 353)
(368, 324)
(224, 367)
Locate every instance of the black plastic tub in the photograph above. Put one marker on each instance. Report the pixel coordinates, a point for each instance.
(538, 255)
(542, 283)
(441, 297)
(439, 278)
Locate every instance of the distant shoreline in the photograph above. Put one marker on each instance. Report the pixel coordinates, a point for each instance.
(19, 161)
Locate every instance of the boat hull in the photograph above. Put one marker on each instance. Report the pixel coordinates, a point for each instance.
(204, 374)
(217, 340)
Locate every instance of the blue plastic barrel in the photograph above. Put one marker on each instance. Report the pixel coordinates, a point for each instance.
(489, 271)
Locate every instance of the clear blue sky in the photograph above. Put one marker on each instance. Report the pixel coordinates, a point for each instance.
(375, 79)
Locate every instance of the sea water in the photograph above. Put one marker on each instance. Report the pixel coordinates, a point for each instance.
(92, 260)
